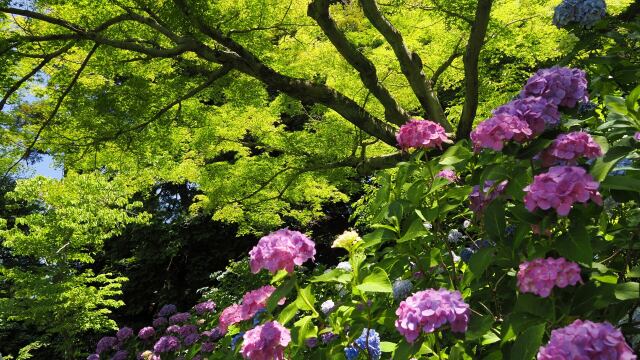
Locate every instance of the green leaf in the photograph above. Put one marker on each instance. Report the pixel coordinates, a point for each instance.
(528, 343)
(534, 148)
(616, 104)
(335, 275)
(387, 346)
(603, 165)
(378, 236)
(305, 299)
(576, 244)
(415, 230)
(288, 313)
(478, 326)
(282, 291)
(525, 215)
(480, 261)
(304, 329)
(377, 281)
(494, 220)
(621, 182)
(632, 99)
(627, 291)
(456, 154)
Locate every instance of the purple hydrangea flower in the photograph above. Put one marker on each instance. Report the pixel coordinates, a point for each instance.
(179, 318)
(106, 343)
(146, 333)
(93, 357)
(166, 344)
(448, 174)
(167, 310)
(205, 307)
(539, 113)
(480, 199)
(191, 339)
(502, 127)
(124, 333)
(159, 322)
(328, 337)
(121, 355)
(558, 85)
(566, 149)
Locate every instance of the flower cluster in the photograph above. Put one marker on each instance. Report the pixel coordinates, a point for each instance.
(494, 132)
(585, 13)
(560, 188)
(421, 134)
(541, 275)
(401, 289)
(369, 342)
(347, 240)
(586, 340)
(281, 250)
(448, 174)
(558, 85)
(537, 112)
(430, 309)
(479, 199)
(265, 342)
(566, 149)
(252, 302)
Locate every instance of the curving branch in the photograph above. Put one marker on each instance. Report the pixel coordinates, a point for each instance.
(319, 11)
(244, 61)
(410, 64)
(470, 60)
(56, 108)
(445, 65)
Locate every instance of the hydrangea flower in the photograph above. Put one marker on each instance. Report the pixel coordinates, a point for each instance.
(328, 337)
(93, 357)
(558, 85)
(186, 330)
(159, 322)
(448, 174)
(207, 347)
(566, 149)
(344, 266)
(229, 316)
(636, 136)
(311, 342)
(401, 289)
(560, 188)
(541, 275)
(205, 307)
(586, 340)
(146, 333)
(421, 134)
(494, 132)
(620, 165)
(480, 199)
(166, 344)
(454, 236)
(266, 342)
(120, 355)
(281, 250)
(191, 339)
(124, 333)
(106, 343)
(256, 300)
(347, 240)
(466, 224)
(586, 107)
(536, 111)
(179, 318)
(430, 309)
(466, 254)
(585, 13)
(327, 306)
(368, 342)
(167, 310)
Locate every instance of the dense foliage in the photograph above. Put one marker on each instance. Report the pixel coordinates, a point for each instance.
(186, 126)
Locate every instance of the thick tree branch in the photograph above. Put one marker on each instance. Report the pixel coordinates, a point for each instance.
(319, 11)
(470, 60)
(241, 59)
(410, 64)
(53, 113)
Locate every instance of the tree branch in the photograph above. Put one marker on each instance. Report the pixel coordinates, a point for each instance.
(410, 64)
(445, 65)
(244, 61)
(46, 123)
(470, 60)
(319, 11)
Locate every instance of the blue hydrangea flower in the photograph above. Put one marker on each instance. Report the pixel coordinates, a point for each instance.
(370, 340)
(235, 338)
(586, 107)
(466, 254)
(351, 353)
(617, 170)
(509, 231)
(454, 236)
(344, 266)
(401, 289)
(256, 317)
(585, 13)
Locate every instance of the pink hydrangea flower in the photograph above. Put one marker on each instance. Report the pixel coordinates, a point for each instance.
(229, 316)
(430, 309)
(559, 85)
(281, 250)
(566, 149)
(448, 174)
(265, 342)
(586, 340)
(494, 132)
(536, 111)
(560, 188)
(256, 300)
(539, 276)
(637, 136)
(421, 134)
(480, 199)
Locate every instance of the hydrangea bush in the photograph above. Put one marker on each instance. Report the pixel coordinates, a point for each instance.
(521, 243)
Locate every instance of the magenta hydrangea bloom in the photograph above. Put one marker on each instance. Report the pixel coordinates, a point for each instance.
(559, 85)
(480, 199)
(636, 136)
(205, 307)
(229, 316)
(539, 276)
(421, 134)
(560, 188)
(265, 342)
(256, 300)
(166, 344)
(146, 333)
(537, 112)
(281, 250)
(430, 309)
(566, 149)
(494, 132)
(586, 340)
(448, 174)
